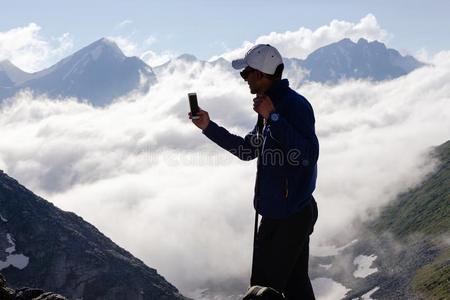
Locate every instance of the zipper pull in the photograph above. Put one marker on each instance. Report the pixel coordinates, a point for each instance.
(286, 193)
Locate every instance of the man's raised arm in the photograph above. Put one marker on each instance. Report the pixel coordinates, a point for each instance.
(244, 148)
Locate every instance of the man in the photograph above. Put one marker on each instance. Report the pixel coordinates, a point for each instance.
(287, 149)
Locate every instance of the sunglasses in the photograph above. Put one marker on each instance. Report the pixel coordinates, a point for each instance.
(244, 73)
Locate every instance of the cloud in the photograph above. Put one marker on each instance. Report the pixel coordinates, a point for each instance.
(297, 43)
(27, 49)
(128, 47)
(154, 59)
(141, 50)
(303, 41)
(150, 40)
(124, 23)
(182, 204)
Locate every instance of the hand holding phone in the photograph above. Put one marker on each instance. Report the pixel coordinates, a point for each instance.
(193, 104)
(198, 116)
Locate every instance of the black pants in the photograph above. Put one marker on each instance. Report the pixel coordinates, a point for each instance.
(282, 253)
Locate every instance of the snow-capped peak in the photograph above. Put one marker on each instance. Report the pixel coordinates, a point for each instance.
(104, 46)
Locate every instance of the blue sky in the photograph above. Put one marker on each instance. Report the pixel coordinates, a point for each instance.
(206, 28)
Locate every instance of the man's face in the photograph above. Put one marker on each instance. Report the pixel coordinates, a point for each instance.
(252, 78)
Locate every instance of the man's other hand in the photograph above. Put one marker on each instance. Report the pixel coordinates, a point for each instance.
(263, 105)
(203, 120)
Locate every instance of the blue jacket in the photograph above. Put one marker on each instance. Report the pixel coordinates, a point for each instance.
(287, 153)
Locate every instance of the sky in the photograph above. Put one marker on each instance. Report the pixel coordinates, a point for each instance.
(208, 28)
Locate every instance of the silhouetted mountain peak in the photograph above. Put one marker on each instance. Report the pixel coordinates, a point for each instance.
(45, 247)
(5, 63)
(104, 47)
(187, 57)
(102, 50)
(99, 72)
(362, 41)
(361, 60)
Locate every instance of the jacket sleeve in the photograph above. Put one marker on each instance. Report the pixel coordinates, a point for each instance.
(300, 137)
(244, 148)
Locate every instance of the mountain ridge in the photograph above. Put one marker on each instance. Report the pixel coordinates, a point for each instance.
(25, 293)
(61, 252)
(11, 75)
(408, 241)
(99, 72)
(346, 59)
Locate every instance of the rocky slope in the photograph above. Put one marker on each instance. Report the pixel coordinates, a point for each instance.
(405, 252)
(42, 246)
(25, 293)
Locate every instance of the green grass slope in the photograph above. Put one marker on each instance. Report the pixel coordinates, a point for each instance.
(425, 209)
(433, 280)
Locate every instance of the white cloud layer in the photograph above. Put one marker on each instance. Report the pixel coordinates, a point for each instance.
(154, 59)
(183, 205)
(303, 41)
(27, 49)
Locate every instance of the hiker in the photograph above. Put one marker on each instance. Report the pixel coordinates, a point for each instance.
(287, 148)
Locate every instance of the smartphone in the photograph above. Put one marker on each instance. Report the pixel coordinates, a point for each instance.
(194, 105)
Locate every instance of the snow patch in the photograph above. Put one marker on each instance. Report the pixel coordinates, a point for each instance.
(3, 219)
(368, 295)
(364, 263)
(328, 289)
(11, 249)
(19, 261)
(326, 267)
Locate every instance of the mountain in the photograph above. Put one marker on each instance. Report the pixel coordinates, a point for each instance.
(362, 60)
(189, 65)
(424, 213)
(404, 253)
(5, 79)
(10, 75)
(25, 293)
(182, 63)
(425, 209)
(99, 73)
(51, 249)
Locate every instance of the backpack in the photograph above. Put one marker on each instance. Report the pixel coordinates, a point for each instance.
(263, 293)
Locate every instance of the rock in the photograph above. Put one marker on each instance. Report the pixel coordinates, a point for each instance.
(25, 293)
(58, 251)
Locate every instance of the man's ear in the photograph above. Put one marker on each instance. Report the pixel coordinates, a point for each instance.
(259, 75)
